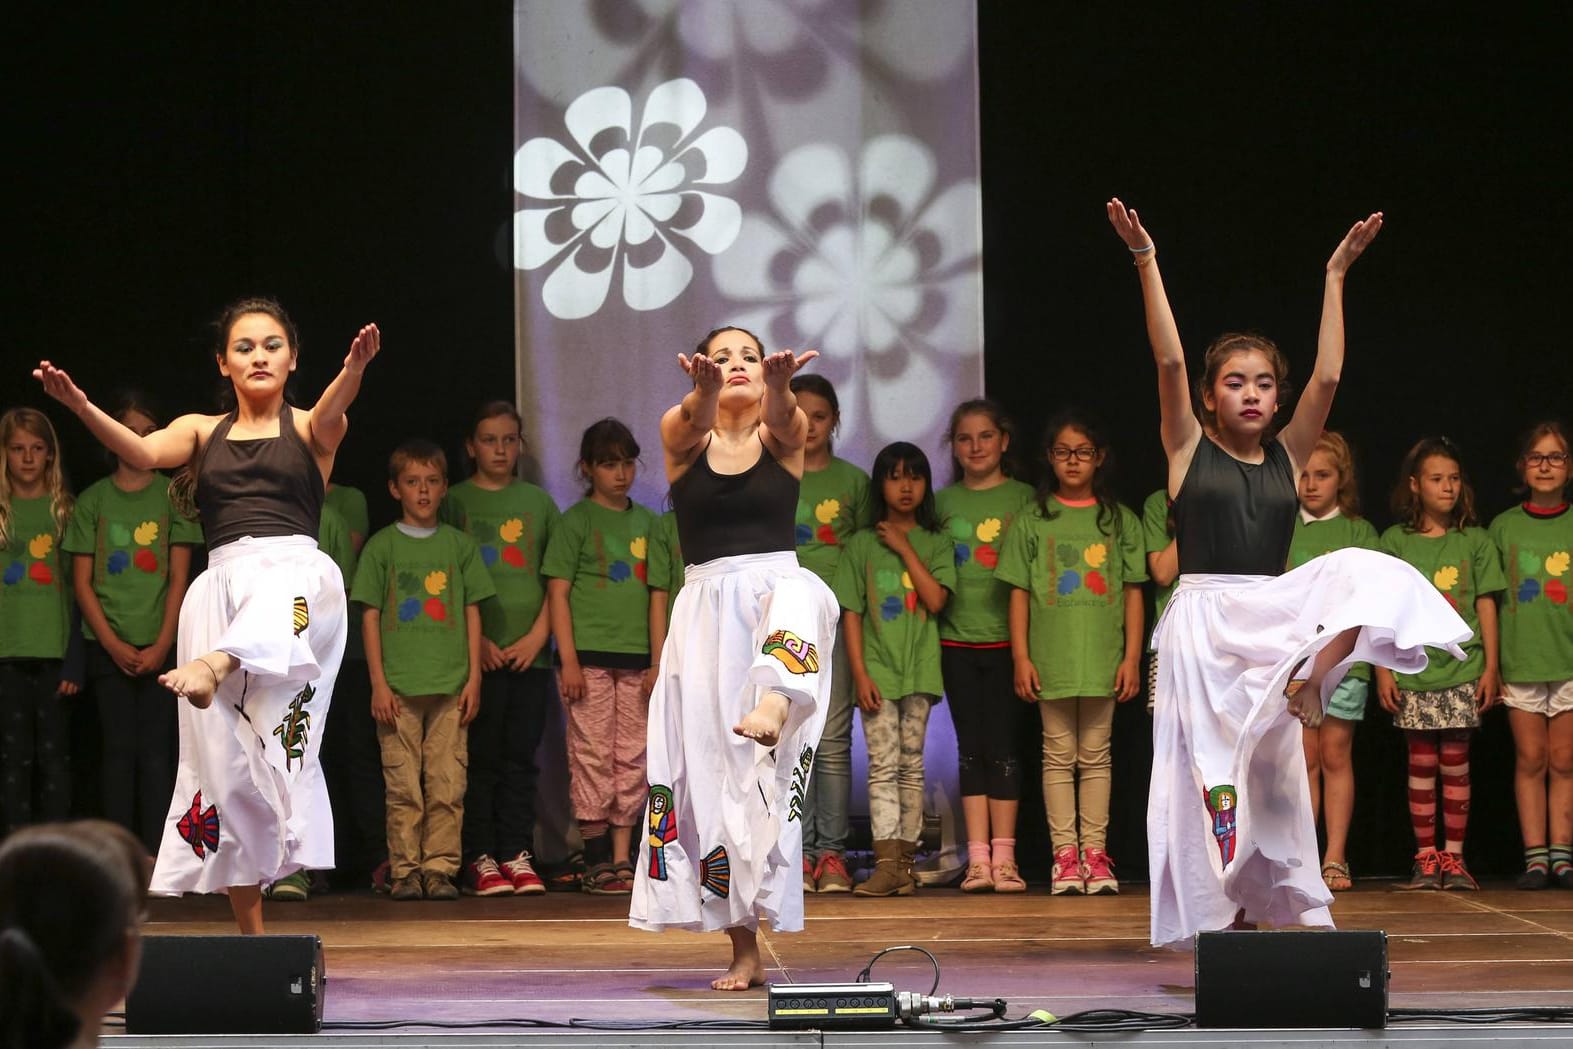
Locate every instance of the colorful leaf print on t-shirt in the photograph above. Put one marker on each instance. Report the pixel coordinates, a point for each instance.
(1464, 566)
(978, 522)
(1536, 621)
(900, 637)
(34, 590)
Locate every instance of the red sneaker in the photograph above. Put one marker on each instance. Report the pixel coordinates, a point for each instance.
(521, 872)
(1067, 879)
(484, 878)
(1098, 870)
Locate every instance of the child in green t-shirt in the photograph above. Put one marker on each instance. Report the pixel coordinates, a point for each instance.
(976, 512)
(1163, 568)
(1330, 520)
(1077, 566)
(421, 582)
(596, 569)
(1440, 706)
(512, 521)
(131, 561)
(832, 506)
(1536, 541)
(36, 634)
(892, 582)
(664, 578)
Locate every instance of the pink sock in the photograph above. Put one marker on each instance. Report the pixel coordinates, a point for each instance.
(1004, 850)
(978, 852)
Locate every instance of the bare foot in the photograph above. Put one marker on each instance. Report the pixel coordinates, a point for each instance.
(747, 970)
(763, 723)
(197, 681)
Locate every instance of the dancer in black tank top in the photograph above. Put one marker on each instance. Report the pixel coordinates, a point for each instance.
(744, 682)
(1242, 848)
(259, 474)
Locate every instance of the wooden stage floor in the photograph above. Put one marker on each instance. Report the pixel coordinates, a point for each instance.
(564, 956)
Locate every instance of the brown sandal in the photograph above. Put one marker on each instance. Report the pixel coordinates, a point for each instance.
(1336, 876)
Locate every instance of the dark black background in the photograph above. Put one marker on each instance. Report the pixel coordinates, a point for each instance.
(355, 162)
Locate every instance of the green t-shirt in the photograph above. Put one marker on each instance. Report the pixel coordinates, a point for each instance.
(832, 504)
(977, 522)
(666, 559)
(128, 535)
(900, 638)
(1156, 538)
(421, 585)
(1076, 574)
(351, 505)
(1462, 565)
(512, 526)
(333, 539)
(1314, 538)
(1537, 618)
(604, 554)
(35, 591)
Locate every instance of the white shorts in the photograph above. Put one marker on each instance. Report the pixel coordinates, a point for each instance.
(1540, 697)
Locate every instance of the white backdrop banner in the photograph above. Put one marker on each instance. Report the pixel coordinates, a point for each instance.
(806, 169)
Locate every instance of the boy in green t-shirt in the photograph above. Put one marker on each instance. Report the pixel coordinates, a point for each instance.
(421, 582)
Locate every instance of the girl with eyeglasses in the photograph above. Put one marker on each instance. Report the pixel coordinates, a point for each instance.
(1231, 840)
(1076, 562)
(1536, 541)
(1439, 706)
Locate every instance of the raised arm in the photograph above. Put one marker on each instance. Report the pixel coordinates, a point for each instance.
(784, 426)
(686, 423)
(1179, 429)
(327, 420)
(165, 449)
(1316, 400)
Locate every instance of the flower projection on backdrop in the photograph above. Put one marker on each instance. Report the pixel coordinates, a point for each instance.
(867, 261)
(622, 199)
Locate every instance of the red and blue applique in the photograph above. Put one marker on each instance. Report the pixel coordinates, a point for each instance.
(199, 828)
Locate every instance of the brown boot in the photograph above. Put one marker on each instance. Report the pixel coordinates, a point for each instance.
(888, 878)
(909, 855)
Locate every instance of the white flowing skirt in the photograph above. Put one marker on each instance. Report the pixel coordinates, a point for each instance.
(250, 803)
(723, 836)
(1229, 823)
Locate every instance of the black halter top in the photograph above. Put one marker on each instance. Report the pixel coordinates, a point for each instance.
(1233, 517)
(261, 486)
(722, 515)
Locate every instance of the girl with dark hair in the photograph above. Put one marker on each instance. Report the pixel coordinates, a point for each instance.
(1229, 829)
(744, 679)
(1536, 538)
(262, 630)
(70, 909)
(1076, 566)
(596, 567)
(131, 563)
(892, 583)
(832, 506)
(1439, 706)
(977, 512)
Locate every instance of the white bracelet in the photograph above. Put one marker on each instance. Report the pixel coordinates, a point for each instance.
(1142, 251)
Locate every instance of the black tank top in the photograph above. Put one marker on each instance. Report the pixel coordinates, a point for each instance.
(721, 515)
(264, 486)
(1235, 518)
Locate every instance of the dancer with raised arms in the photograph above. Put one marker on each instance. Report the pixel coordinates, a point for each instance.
(1231, 840)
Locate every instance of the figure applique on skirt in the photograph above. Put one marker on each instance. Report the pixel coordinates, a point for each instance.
(723, 840)
(1229, 822)
(250, 803)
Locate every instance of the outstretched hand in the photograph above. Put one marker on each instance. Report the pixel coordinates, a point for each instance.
(783, 364)
(59, 386)
(1360, 235)
(1128, 225)
(705, 372)
(367, 342)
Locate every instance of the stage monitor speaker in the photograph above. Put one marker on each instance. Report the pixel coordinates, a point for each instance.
(1292, 979)
(228, 985)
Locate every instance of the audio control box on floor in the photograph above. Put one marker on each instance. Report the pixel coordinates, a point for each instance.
(228, 985)
(1295, 978)
(827, 1006)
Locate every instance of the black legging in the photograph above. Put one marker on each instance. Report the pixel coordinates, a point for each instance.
(136, 717)
(981, 693)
